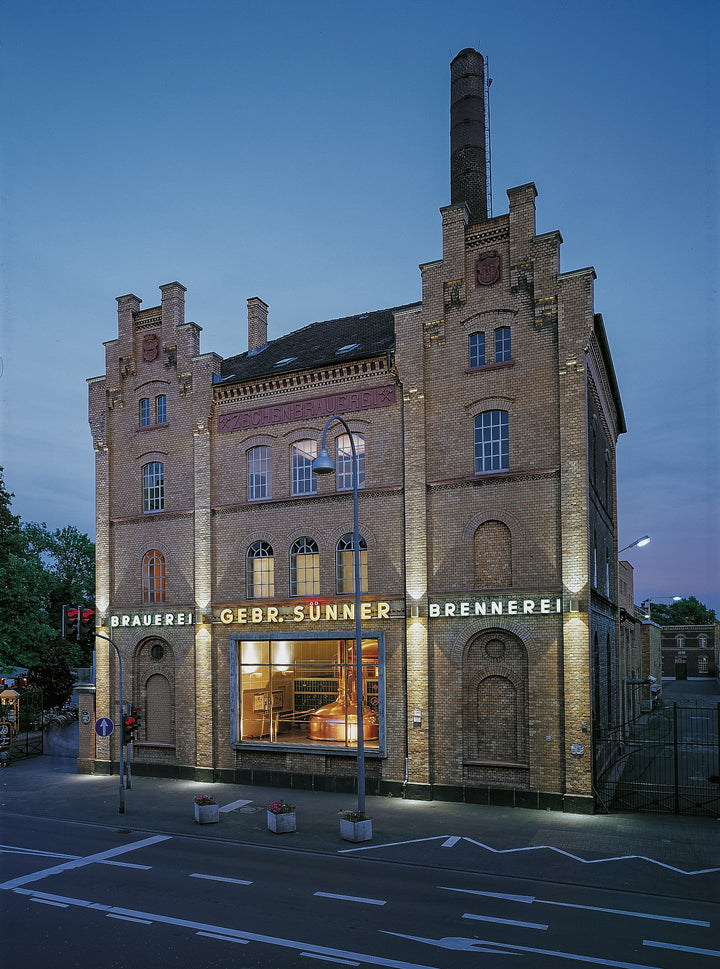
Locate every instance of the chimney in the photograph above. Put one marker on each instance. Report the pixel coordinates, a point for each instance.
(468, 165)
(257, 325)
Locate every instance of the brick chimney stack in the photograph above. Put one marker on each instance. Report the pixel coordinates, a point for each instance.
(257, 324)
(468, 163)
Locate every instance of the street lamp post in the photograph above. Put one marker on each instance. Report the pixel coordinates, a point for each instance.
(324, 464)
(121, 809)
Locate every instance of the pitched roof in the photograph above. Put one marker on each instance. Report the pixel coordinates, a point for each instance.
(317, 345)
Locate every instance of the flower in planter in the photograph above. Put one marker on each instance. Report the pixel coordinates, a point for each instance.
(203, 799)
(281, 807)
(354, 816)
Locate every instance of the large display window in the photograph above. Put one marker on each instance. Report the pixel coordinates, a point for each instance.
(302, 691)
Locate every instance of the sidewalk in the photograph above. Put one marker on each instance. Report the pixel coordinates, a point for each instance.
(48, 787)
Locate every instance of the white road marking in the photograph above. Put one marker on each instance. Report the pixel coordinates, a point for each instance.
(127, 918)
(101, 856)
(233, 806)
(489, 918)
(47, 901)
(242, 935)
(683, 948)
(351, 898)
(529, 899)
(220, 878)
(223, 938)
(341, 962)
(451, 842)
(481, 945)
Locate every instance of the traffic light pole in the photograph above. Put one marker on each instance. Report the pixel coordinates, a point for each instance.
(120, 723)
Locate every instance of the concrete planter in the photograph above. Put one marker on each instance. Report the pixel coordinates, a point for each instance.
(207, 813)
(356, 830)
(281, 823)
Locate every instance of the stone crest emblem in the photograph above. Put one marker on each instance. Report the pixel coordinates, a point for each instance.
(151, 347)
(488, 269)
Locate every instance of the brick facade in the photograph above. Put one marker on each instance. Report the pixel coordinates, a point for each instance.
(488, 511)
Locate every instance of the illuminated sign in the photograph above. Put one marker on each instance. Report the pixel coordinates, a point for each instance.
(307, 612)
(309, 408)
(494, 607)
(129, 620)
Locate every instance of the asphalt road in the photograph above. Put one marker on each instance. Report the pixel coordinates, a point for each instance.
(96, 895)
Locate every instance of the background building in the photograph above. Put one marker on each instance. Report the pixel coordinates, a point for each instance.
(690, 652)
(485, 417)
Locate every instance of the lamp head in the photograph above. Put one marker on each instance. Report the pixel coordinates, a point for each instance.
(323, 463)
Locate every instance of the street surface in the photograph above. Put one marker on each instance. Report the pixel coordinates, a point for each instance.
(81, 894)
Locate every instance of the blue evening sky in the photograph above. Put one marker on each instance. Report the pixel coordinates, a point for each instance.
(299, 151)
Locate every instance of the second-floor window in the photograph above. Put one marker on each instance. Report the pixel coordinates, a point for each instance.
(301, 459)
(161, 409)
(344, 463)
(345, 565)
(153, 475)
(145, 412)
(259, 472)
(492, 446)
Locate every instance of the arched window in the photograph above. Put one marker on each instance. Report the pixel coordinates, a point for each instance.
(304, 568)
(477, 349)
(493, 555)
(344, 463)
(259, 472)
(153, 486)
(503, 349)
(153, 576)
(345, 565)
(492, 447)
(302, 456)
(145, 412)
(161, 409)
(260, 571)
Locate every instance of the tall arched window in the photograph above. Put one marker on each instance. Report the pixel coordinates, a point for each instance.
(344, 464)
(345, 565)
(153, 576)
(493, 556)
(260, 571)
(259, 468)
(153, 486)
(302, 456)
(492, 447)
(304, 568)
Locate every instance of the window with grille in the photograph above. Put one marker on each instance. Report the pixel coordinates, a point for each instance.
(477, 349)
(491, 441)
(502, 344)
(260, 571)
(161, 409)
(302, 456)
(153, 576)
(145, 412)
(345, 565)
(344, 463)
(304, 568)
(259, 472)
(153, 486)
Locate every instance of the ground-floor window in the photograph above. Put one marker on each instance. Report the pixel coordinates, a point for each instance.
(302, 691)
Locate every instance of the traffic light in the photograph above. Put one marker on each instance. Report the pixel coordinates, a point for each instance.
(71, 622)
(130, 723)
(86, 623)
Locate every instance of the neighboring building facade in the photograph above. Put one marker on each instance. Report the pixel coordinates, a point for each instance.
(690, 652)
(485, 419)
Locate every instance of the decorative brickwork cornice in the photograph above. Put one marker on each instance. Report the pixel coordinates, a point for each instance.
(280, 503)
(484, 480)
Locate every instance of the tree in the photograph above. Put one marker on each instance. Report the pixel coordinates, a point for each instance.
(40, 571)
(683, 612)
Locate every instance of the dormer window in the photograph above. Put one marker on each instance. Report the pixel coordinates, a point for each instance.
(348, 347)
(285, 361)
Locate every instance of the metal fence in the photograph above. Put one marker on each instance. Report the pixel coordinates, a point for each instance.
(668, 764)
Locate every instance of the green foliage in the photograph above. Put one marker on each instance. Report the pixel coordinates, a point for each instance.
(684, 612)
(40, 571)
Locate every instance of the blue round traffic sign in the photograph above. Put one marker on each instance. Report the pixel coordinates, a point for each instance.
(104, 726)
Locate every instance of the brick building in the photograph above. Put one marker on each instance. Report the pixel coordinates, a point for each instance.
(485, 418)
(690, 652)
